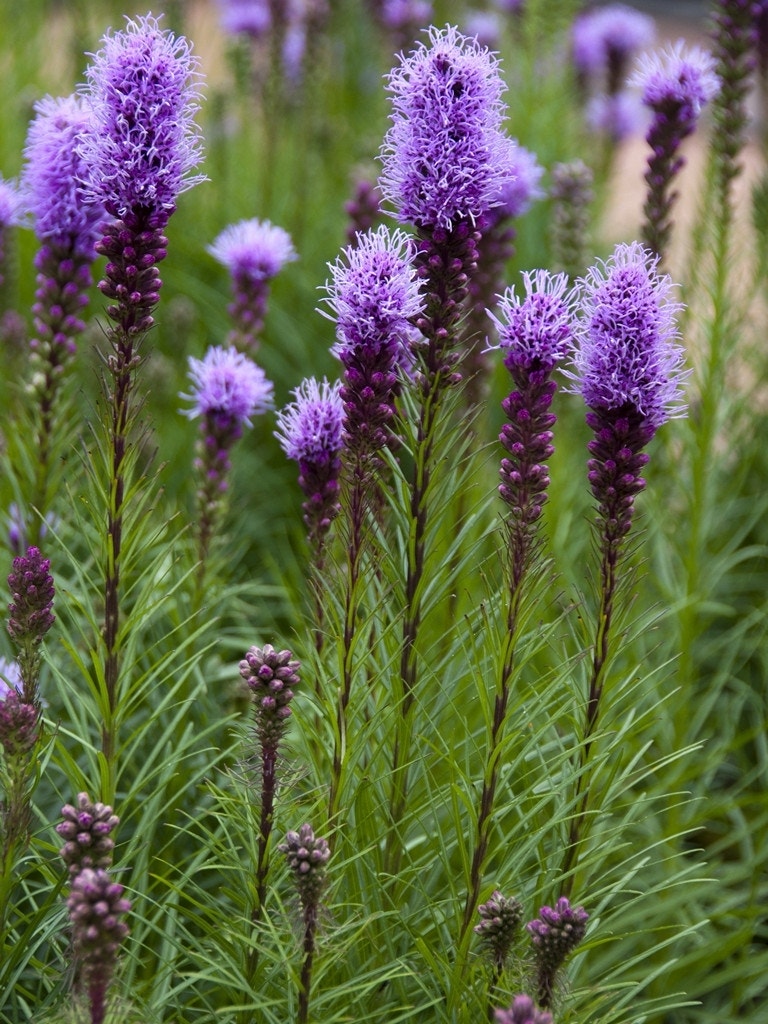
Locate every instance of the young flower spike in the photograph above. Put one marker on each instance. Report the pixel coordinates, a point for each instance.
(96, 906)
(30, 615)
(555, 933)
(676, 83)
(309, 430)
(228, 389)
(500, 919)
(604, 39)
(523, 1011)
(253, 252)
(86, 830)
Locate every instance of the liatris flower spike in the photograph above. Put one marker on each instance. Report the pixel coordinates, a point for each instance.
(228, 389)
(30, 615)
(143, 90)
(523, 1011)
(309, 430)
(500, 919)
(604, 40)
(374, 297)
(555, 933)
(572, 195)
(86, 831)
(676, 83)
(253, 252)
(96, 907)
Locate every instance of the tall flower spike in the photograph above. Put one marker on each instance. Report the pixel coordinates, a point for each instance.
(676, 83)
(96, 907)
(30, 614)
(555, 933)
(374, 297)
(572, 195)
(253, 252)
(228, 389)
(309, 430)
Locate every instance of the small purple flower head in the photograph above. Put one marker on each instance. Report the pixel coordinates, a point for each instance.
(143, 87)
(53, 174)
(444, 157)
(628, 352)
(30, 614)
(309, 429)
(229, 384)
(618, 115)
(12, 204)
(485, 27)
(271, 676)
(245, 17)
(536, 331)
(374, 293)
(557, 931)
(523, 1011)
(253, 249)
(609, 35)
(677, 82)
(86, 830)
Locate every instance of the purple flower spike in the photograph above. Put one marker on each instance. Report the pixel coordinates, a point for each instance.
(572, 196)
(555, 933)
(445, 159)
(310, 430)
(143, 87)
(270, 674)
(676, 83)
(523, 1011)
(535, 335)
(96, 906)
(605, 39)
(628, 357)
(374, 297)
(499, 924)
(253, 252)
(86, 830)
(228, 387)
(307, 857)
(30, 614)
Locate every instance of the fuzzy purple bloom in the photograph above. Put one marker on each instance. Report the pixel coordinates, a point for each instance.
(536, 330)
(227, 386)
(523, 1011)
(253, 251)
(444, 157)
(12, 204)
(96, 907)
(143, 88)
(523, 185)
(628, 355)
(245, 17)
(604, 39)
(618, 115)
(53, 173)
(374, 296)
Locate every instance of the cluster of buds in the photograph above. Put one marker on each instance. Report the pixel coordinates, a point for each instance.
(86, 830)
(307, 856)
(499, 924)
(270, 675)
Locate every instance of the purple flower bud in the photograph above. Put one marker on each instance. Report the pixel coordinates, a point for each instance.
(270, 675)
(500, 919)
(523, 1011)
(307, 857)
(86, 829)
(555, 933)
(18, 723)
(30, 611)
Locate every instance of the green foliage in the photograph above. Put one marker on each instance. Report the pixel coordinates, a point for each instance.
(673, 856)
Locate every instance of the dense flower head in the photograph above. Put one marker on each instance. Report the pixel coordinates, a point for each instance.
(609, 33)
(86, 829)
(557, 931)
(523, 1011)
(500, 919)
(253, 249)
(307, 856)
(271, 675)
(96, 907)
(18, 722)
(53, 173)
(677, 80)
(229, 384)
(143, 87)
(309, 429)
(536, 330)
(374, 293)
(12, 206)
(30, 614)
(628, 352)
(444, 157)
